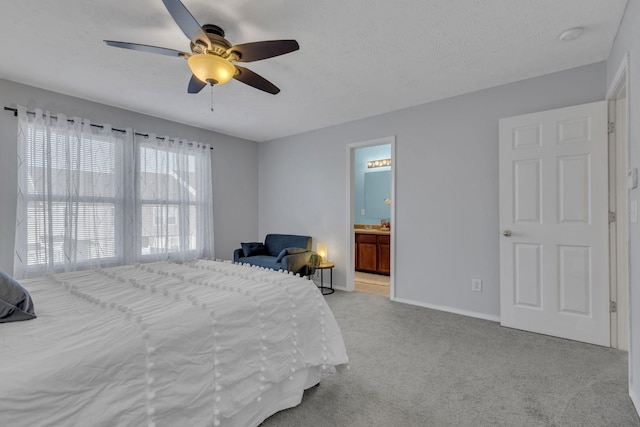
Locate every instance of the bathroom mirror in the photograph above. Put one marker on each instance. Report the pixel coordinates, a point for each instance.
(377, 188)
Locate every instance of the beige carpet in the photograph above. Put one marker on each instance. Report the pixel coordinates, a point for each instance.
(371, 283)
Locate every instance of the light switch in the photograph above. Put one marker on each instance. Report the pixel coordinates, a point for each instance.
(362, 212)
(633, 211)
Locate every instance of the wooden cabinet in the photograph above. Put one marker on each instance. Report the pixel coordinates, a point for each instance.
(367, 250)
(384, 255)
(373, 253)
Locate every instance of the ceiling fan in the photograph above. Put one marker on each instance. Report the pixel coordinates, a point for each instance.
(212, 56)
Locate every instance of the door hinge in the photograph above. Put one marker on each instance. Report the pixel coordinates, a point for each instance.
(612, 217)
(613, 306)
(612, 127)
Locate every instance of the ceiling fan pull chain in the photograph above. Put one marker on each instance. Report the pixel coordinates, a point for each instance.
(212, 98)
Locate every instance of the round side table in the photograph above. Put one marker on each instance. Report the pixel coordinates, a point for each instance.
(326, 266)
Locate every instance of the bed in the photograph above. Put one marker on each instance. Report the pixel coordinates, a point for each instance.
(196, 343)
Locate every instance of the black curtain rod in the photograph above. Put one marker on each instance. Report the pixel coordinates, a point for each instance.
(146, 135)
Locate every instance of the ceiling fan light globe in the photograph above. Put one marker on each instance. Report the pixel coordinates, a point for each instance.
(207, 67)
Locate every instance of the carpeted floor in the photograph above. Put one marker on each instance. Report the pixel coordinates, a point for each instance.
(411, 366)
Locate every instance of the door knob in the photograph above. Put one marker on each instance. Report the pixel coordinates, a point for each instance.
(506, 233)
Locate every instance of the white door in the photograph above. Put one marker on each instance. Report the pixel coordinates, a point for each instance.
(554, 257)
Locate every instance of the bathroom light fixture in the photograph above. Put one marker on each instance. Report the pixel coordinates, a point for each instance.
(379, 163)
(323, 252)
(571, 34)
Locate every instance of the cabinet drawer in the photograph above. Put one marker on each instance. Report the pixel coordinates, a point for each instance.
(366, 238)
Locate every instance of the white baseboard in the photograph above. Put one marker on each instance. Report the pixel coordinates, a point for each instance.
(450, 310)
(437, 307)
(635, 400)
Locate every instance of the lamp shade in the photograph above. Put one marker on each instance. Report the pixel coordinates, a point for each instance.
(323, 251)
(207, 67)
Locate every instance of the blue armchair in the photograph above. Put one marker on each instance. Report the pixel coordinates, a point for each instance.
(280, 252)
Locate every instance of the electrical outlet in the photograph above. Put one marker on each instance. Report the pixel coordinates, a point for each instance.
(476, 285)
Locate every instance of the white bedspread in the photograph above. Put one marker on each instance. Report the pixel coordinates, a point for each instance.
(165, 344)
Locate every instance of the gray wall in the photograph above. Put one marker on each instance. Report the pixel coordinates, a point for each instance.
(628, 40)
(235, 164)
(446, 185)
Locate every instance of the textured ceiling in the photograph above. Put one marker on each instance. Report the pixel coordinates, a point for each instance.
(358, 58)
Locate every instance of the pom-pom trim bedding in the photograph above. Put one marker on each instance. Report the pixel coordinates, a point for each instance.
(199, 343)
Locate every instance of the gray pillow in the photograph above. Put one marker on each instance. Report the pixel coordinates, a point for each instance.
(289, 251)
(15, 301)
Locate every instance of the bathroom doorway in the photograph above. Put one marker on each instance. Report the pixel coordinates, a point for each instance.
(371, 246)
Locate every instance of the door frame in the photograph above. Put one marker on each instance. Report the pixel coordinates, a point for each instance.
(350, 233)
(619, 233)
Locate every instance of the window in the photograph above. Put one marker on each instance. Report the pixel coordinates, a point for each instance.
(164, 215)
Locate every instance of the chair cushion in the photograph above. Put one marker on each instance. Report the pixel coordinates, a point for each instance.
(15, 301)
(253, 249)
(265, 261)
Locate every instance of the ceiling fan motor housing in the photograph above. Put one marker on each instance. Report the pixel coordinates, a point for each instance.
(213, 29)
(219, 45)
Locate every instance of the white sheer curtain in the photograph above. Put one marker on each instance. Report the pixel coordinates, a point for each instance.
(175, 198)
(70, 185)
(90, 196)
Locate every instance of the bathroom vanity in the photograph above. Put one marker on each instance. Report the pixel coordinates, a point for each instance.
(373, 251)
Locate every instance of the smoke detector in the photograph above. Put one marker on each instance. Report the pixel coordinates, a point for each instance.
(571, 34)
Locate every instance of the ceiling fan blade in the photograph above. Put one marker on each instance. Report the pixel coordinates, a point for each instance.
(146, 48)
(256, 51)
(195, 85)
(250, 78)
(186, 21)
